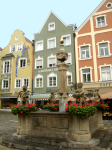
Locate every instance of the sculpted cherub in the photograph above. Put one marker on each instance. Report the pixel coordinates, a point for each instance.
(24, 95)
(96, 95)
(79, 95)
(52, 99)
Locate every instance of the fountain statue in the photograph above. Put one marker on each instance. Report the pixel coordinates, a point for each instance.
(52, 99)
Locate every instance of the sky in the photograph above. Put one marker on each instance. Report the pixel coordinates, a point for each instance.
(30, 15)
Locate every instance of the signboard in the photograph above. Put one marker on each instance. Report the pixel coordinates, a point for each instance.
(47, 70)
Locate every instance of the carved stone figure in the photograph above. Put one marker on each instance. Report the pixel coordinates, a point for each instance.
(96, 95)
(52, 99)
(24, 95)
(79, 95)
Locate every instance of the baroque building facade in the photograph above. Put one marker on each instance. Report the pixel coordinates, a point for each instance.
(93, 49)
(16, 67)
(47, 43)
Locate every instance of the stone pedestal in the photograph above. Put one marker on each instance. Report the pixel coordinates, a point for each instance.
(23, 124)
(81, 129)
(100, 120)
(62, 68)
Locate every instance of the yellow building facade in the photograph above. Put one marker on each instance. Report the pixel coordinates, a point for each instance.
(16, 68)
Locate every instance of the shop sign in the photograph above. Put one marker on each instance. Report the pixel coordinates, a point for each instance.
(47, 70)
(105, 84)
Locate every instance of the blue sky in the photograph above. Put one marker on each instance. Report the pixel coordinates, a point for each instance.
(29, 15)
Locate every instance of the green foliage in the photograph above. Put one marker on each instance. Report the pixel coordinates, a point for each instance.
(100, 106)
(50, 107)
(86, 111)
(26, 109)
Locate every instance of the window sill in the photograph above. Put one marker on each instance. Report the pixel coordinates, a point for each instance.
(38, 87)
(51, 48)
(5, 88)
(51, 30)
(38, 50)
(102, 26)
(85, 58)
(104, 56)
(6, 73)
(51, 86)
(68, 45)
(17, 88)
(52, 67)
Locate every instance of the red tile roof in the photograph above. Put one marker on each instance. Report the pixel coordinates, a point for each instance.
(1, 49)
(28, 40)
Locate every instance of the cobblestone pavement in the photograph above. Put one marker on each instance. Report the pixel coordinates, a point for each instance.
(9, 122)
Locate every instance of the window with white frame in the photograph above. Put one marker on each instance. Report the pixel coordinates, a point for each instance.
(5, 84)
(39, 81)
(17, 83)
(22, 63)
(109, 5)
(105, 73)
(67, 39)
(86, 75)
(39, 46)
(69, 78)
(38, 63)
(19, 47)
(85, 52)
(101, 21)
(6, 66)
(69, 60)
(26, 82)
(51, 43)
(51, 26)
(52, 61)
(52, 80)
(12, 48)
(104, 49)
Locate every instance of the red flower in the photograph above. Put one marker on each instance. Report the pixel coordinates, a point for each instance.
(66, 108)
(66, 104)
(69, 106)
(21, 112)
(18, 109)
(75, 107)
(84, 106)
(80, 106)
(25, 108)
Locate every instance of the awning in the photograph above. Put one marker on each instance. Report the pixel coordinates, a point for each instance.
(44, 97)
(8, 96)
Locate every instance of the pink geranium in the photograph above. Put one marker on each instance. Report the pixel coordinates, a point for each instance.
(66, 108)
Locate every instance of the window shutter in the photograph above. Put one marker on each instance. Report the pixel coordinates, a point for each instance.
(52, 60)
(39, 63)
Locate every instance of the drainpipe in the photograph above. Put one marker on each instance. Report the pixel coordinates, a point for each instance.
(74, 35)
(32, 61)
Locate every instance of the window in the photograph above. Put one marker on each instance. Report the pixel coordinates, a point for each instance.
(52, 80)
(69, 60)
(51, 43)
(12, 48)
(19, 47)
(39, 46)
(26, 82)
(52, 61)
(39, 81)
(69, 78)
(5, 84)
(101, 22)
(103, 49)
(67, 39)
(86, 75)
(51, 26)
(17, 83)
(6, 67)
(84, 52)
(39, 63)
(105, 73)
(22, 63)
(109, 5)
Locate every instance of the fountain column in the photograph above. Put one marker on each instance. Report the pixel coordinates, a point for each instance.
(62, 56)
